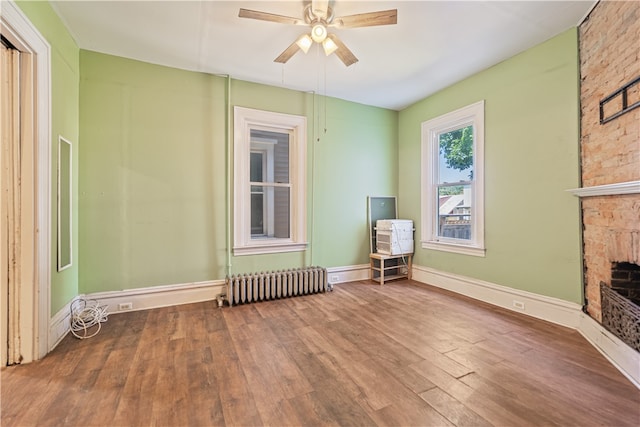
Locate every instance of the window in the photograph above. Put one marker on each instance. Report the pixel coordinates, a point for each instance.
(270, 185)
(453, 181)
(269, 182)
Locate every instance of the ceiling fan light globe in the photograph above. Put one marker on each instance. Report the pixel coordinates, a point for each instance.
(329, 46)
(304, 43)
(318, 33)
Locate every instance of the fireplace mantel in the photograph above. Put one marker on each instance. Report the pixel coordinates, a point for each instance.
(629, 187)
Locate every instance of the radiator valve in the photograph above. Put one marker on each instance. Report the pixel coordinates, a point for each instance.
(221, 299)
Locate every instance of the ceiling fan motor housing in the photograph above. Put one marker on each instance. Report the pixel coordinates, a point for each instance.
(310, 16)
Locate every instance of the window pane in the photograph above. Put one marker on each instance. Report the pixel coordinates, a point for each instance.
(454, 213)
(281, 161)
(270, 203)
(270, 207)
(257, 213)
(281, 208)
(269, 156)
(256, 172)
(455, 155)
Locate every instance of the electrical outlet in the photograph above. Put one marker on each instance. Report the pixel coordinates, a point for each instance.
(518, 304)
(335, 278)
(125, 306)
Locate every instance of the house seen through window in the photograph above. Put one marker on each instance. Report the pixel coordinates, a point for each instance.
(270, 185)
(455, 175)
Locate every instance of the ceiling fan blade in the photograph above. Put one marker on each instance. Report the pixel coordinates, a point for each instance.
(271, 17)
(288, 53)
(382, 17)
(343, 52)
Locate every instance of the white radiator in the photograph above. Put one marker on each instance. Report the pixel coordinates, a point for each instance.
(246, 288)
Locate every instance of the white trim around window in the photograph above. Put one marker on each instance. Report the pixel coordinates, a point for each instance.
(246, 119)
(431, 238)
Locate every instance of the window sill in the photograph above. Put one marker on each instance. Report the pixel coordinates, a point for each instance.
(272, 248)
(453, 248)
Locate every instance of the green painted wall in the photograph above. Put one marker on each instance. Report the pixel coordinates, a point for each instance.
(150, 169)
(532, 226)
(355, 158)
(153, 174)
(64, 121)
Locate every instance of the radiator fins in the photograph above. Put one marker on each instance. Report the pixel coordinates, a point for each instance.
(263, 286)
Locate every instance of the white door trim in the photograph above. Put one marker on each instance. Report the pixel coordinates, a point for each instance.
(17, 28)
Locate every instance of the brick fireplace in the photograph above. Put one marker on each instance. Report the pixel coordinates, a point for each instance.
(610, 149)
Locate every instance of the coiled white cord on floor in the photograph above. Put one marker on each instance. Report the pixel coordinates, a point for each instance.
(87, 314)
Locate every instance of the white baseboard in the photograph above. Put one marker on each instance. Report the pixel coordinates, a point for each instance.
(554, 310)
(542, 307)
(60, 325)
(159, 296)
(350, 273)
(623, 357)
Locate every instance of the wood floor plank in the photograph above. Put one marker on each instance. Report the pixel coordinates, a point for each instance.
(410, 411)
(332, 384)
(493, 411)
(418, 341)
(136, 403)
(514, 383)
(205, 406)
(474, 357)
(407, 376)
(364, 354)
(270, 374)
(452, 409)
(238, 404)
(311, 411)
(523, 403)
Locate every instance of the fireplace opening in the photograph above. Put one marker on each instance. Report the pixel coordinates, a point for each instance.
(621, 303)
(625, 280)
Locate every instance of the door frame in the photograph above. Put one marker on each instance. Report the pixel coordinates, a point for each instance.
(35, 299)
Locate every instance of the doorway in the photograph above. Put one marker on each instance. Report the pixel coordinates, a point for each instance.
(25, 181)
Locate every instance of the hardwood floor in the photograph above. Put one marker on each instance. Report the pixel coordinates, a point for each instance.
(398, 355)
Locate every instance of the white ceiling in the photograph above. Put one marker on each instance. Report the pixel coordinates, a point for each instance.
(433, 45)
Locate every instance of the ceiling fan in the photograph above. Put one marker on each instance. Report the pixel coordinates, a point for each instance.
(319, 16)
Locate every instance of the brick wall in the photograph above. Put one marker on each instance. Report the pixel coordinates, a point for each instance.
(610, 153)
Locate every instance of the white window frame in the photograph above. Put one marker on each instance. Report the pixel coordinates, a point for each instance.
(246, 119)
(431, 129)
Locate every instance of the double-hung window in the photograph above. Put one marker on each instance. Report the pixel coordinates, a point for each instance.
(269, 182)
(452, 216)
